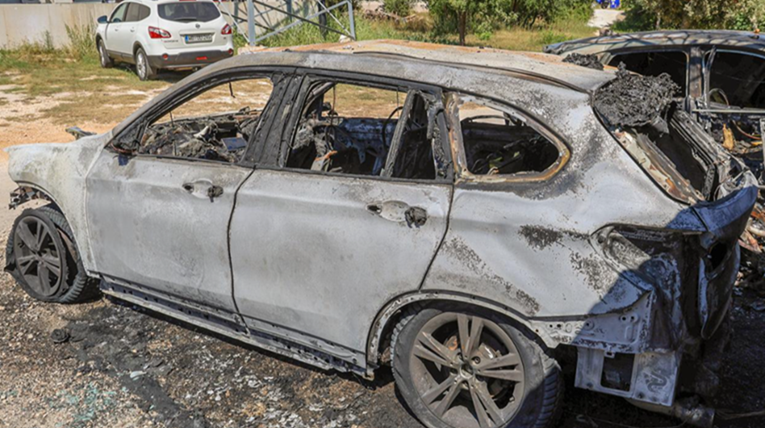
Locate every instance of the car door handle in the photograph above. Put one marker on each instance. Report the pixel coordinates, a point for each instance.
(203, 189)
(399, 212)
(132, 30)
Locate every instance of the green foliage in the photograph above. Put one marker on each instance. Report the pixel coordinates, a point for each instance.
(82, 42)
(401, 8)
(692, 14)
(482, 17)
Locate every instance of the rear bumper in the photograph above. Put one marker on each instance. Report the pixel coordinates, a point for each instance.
(188, 59)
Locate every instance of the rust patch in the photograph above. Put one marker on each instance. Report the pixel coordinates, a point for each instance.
(473, 262)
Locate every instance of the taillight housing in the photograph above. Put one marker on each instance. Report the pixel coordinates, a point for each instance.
(226, 30)
(158, 33)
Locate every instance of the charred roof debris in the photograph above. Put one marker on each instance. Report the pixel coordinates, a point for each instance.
(588, 61)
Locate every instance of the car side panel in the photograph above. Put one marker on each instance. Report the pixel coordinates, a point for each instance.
(309, 255)
(528, 245)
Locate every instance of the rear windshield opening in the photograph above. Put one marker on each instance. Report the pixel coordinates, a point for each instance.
(645, 117)
(188, 12)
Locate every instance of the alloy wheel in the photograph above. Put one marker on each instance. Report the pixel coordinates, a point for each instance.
(38, 258)
(141, 66)
(467, 371)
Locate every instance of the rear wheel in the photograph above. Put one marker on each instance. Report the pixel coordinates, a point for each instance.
(469, 368)
(42, 257)
(142, 66)
(106, 61)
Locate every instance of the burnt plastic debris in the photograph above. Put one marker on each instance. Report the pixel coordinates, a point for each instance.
(588, 61)
(632, 100)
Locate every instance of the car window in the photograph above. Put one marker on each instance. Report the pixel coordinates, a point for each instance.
(674, 63)
(501, 142)
(729, 86)
(350, 129)
(214, 125)
(119, 14)
(132, 13)
(143, 12)
(188, 11)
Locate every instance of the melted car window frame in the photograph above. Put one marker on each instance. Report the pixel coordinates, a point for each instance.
(462, 172)
(315, 78)
(135, 130)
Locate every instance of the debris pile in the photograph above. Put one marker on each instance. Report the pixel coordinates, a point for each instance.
(588, 61)
(632, 100)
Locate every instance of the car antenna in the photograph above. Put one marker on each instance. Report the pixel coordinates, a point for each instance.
(231, 90)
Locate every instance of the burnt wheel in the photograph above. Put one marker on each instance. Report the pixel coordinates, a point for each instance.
(42, 257)
(471, 369)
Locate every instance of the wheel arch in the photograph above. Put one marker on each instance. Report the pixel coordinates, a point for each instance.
(390, 314)
(137, 45)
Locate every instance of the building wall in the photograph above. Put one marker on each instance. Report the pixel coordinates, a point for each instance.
(21, 23)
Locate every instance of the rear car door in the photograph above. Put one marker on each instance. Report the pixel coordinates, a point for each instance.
(343, 225)
(159, 216)
(117, 32)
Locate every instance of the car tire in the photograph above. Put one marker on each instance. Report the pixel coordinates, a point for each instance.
(425, 385)
(57, 249)
(105, 59)
(142, 67)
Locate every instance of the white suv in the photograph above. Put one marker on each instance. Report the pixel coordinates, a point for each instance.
(156, 35)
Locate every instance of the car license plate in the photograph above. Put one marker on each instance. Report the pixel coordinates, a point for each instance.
(199, 38)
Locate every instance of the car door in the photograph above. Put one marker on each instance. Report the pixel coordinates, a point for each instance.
(317, 252)
(158, 218)
(128, 37)
(117, 32)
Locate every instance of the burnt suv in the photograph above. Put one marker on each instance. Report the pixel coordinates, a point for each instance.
(461, 214)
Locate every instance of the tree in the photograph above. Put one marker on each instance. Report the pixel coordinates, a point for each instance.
(728, 14)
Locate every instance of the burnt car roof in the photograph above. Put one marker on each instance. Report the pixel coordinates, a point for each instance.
(488, 72)
(595, 45)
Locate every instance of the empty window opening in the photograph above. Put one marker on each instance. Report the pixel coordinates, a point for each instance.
(656, 63)
(351, 129)
(729, 87)
(500, 143)
(214, 125)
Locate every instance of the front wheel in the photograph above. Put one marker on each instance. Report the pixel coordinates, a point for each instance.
(468, 368)
(42, 257)
(106, 61)
(142, 66)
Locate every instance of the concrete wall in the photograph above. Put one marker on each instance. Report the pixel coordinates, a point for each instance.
(29, 22)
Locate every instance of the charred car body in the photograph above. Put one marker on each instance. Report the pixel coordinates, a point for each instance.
(720, 73)
(487, 219)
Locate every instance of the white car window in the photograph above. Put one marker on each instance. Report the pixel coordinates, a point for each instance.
(119, 14)
(188, 12)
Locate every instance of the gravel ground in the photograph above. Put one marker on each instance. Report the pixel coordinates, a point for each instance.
(122, 366)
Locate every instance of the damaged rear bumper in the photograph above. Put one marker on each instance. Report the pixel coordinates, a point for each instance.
(652, 352)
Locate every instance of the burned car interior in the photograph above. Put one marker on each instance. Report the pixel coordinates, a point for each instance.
(334, 137)
(499, 143)
(214, 125)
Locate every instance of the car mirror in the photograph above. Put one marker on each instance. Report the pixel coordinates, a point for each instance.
(103, 20)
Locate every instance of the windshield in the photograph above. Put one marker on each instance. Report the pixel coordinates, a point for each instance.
(188, 11)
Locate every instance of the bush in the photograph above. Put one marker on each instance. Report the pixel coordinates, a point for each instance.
(82, 42)
(700, 14)
(482, 17)
(401, 8)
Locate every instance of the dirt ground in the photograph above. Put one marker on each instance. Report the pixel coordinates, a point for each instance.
(125, 367)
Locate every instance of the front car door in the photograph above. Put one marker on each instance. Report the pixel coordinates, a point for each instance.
(351, 219)
(117, 32)
(160, 198)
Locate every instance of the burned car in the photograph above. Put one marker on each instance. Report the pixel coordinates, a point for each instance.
(720, 73)
(464, 215)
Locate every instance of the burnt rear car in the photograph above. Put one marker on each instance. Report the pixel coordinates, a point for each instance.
(464, 215)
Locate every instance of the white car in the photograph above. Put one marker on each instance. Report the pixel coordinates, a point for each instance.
(156, 35)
